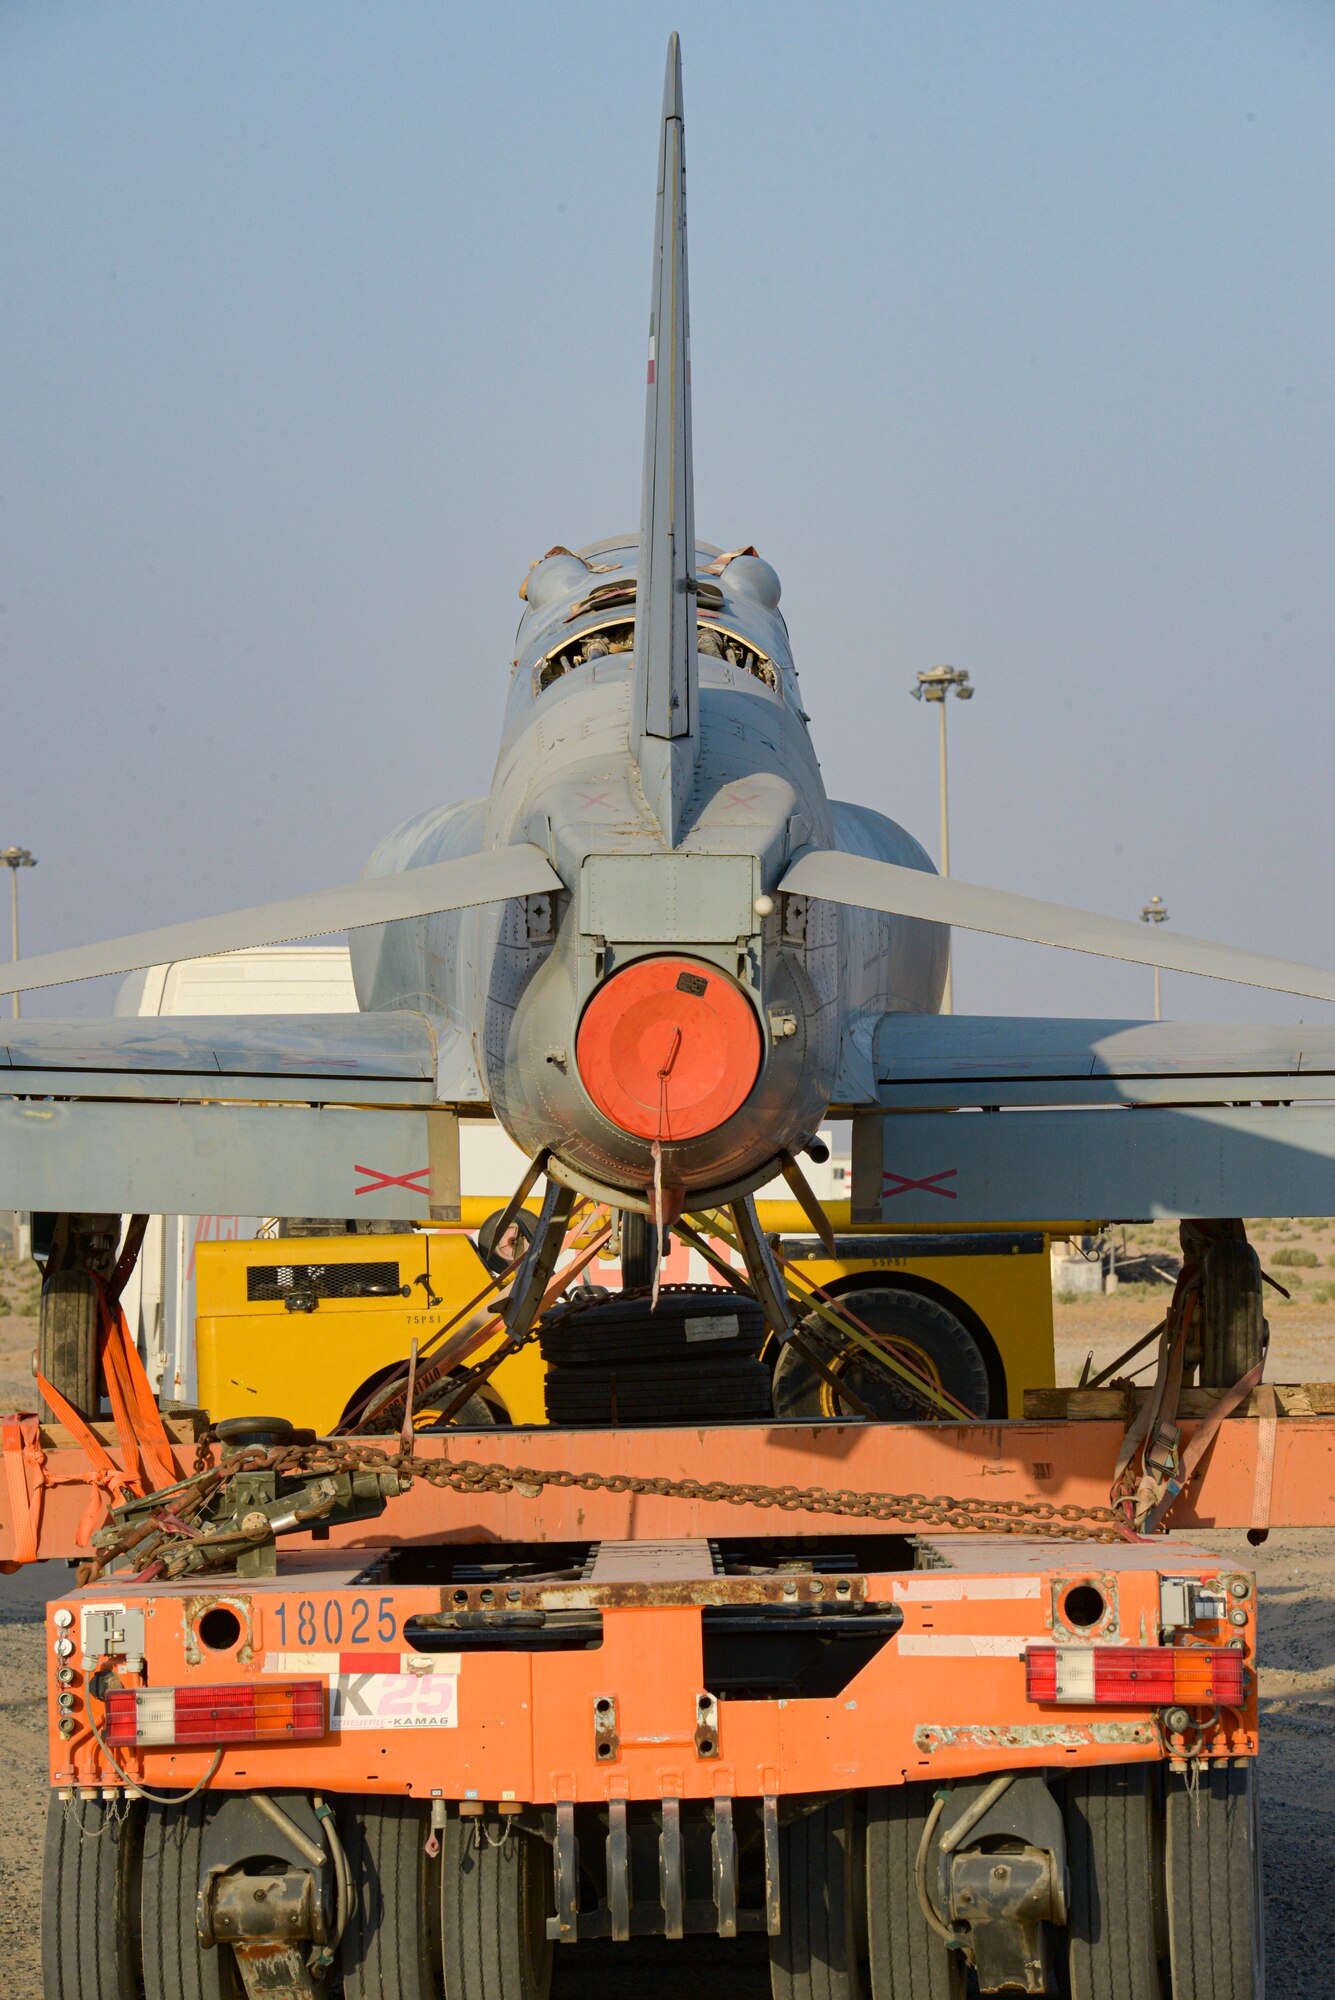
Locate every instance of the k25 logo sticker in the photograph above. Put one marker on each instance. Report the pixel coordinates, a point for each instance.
(394, 1701)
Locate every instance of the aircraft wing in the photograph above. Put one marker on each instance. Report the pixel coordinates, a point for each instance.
(998, 1119)
(339, 1115)
(491, 877)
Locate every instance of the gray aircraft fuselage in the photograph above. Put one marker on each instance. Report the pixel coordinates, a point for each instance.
(518, 978)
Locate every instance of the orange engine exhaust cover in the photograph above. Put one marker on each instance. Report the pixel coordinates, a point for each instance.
(668, 1048)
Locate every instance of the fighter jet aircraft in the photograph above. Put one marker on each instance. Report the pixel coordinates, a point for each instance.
(662, 956)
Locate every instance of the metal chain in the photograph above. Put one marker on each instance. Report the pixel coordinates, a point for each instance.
(469, 1475)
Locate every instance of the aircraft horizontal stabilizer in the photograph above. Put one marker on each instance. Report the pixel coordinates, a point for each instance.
(910, 892)
(418, 892)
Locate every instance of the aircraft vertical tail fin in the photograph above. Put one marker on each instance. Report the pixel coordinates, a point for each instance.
(664, 729)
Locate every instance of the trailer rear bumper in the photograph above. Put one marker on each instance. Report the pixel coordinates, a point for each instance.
(650, 1677)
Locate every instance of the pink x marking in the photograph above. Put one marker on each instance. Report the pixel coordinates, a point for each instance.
(418, 1183)
(743, 799)
(929, 1186)
(595, 798)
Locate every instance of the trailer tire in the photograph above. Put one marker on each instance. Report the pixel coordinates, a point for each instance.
(176, 1964)
(67, 1342)
(90, 1898)
(815, 1956)
(494, 1905)
(1233, 1326)
(908, 1960)
(1216, 1940)
(943, 1340)
(391, 1947)
(1114, 1912)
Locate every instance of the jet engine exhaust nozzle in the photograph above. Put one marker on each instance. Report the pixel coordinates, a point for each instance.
(668, 1048)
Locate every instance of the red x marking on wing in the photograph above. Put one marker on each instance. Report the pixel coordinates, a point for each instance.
(929, 1186)
(418, 1183)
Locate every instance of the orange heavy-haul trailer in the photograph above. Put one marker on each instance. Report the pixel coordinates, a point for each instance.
(401, 1715)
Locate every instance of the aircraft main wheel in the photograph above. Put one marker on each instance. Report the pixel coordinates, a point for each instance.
(909, 1960)
(67, 1341)
(496, 1897)
(944, 1346)
(391, 1947)
(176, 1965)
(1213, 1863)
(90, 1896)
(816, 1954)
(1232, 1313)
(1115, 1910)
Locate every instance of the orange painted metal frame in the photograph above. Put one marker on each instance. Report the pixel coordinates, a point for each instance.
(1061, 1462)
(944, 1698)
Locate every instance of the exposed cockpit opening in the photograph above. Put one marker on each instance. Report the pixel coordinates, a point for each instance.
(714, 641)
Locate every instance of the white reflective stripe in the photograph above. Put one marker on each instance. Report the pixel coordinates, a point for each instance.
(941, 1588)
(301, 1663)
(1075, 1673)
(966, 1645)
(155, 1715)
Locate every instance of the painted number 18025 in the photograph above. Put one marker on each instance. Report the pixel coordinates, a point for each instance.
(361, 1621)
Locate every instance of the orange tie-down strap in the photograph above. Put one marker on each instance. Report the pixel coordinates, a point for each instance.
(147, 1461)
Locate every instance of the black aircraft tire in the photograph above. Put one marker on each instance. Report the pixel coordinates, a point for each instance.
(176, 1965)
(618, 1329)
(90, 1889)
(908, 1959)
(1112, 1854)
(658, 1393)
(1213, 1863)
(946, 1344)
(67, 1341)
(639, 1249)
(391, 1947)
(495, 1901)
(1232, 1313)
(815, 1956)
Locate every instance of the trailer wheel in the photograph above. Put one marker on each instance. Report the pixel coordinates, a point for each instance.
(391, 1948)
(176, 1965)
(815, 1956)
(1232, 1313)
(90, 1900)
(1115, 1908)
(1213, 1862)
(67, 1341)
(494, 1904)
(909, 1961)
(948, 1351)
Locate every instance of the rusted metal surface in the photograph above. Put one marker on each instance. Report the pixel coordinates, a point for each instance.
(776, 1587)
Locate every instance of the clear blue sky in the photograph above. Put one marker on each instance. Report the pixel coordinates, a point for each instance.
(1012, 340)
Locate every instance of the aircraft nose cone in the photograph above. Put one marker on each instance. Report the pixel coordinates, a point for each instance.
(668, 1048)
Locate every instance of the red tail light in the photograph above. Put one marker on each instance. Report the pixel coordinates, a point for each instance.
(240, 1712)
(1134, 1676)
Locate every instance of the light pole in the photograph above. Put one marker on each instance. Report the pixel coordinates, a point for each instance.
(15, 858)
(1155, 912)
(934, 685)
